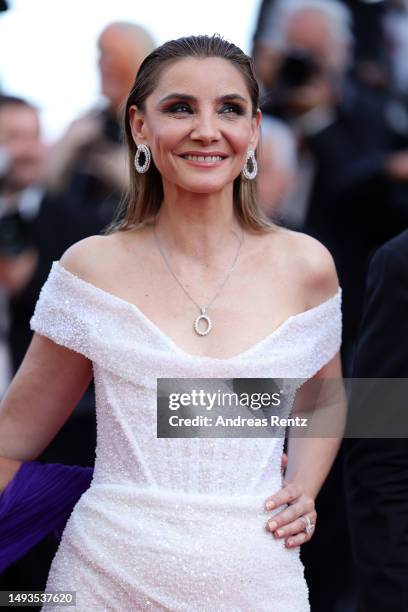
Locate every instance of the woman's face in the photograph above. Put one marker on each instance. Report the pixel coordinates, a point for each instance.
(198, 124)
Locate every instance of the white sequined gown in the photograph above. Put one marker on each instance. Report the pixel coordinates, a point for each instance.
(174, 524)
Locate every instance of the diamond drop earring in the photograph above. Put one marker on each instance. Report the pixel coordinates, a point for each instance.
(144, 150)
(250, 169)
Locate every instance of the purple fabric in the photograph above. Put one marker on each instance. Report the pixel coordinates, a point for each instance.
(38, 500)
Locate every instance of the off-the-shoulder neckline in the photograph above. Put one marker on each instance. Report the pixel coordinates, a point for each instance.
(172, 344)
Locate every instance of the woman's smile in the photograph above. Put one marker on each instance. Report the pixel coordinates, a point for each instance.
(201, 159)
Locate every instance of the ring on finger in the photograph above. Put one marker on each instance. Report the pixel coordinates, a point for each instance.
(309, 526)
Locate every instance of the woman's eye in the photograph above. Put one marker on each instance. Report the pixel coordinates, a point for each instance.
(231, 108)
(179, 108)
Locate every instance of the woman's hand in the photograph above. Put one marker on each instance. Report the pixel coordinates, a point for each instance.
(291, 523)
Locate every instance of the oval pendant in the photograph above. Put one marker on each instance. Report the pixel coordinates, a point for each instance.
(197, 322)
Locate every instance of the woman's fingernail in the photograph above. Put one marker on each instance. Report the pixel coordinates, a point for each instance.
(270, 505)
(273, 525)
(290, 542)
(279, 532)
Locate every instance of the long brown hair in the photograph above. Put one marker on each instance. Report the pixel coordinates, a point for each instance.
(145, 195)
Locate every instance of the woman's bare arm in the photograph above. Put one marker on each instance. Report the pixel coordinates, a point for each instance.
(42, 395)
(322, 397)
(310, 458)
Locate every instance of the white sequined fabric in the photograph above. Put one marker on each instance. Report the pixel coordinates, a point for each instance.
(174, 524)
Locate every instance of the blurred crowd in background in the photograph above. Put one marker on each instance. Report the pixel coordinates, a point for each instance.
(333, 163)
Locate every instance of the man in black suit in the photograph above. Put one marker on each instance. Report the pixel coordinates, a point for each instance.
(376, 470)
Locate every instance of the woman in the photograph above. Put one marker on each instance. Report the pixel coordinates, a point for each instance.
(181, 524)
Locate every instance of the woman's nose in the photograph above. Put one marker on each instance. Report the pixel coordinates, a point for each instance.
(205, 128)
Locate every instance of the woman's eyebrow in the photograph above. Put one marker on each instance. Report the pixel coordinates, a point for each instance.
(183, 96)
(232, 96)
(174, 95)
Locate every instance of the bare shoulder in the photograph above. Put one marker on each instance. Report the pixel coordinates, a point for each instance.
(312, 265)
(89, 257)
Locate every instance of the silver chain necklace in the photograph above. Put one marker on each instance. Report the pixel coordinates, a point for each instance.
(202, 309)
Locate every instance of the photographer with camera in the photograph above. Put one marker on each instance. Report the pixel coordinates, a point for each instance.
(87, 167)
(352, 162)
